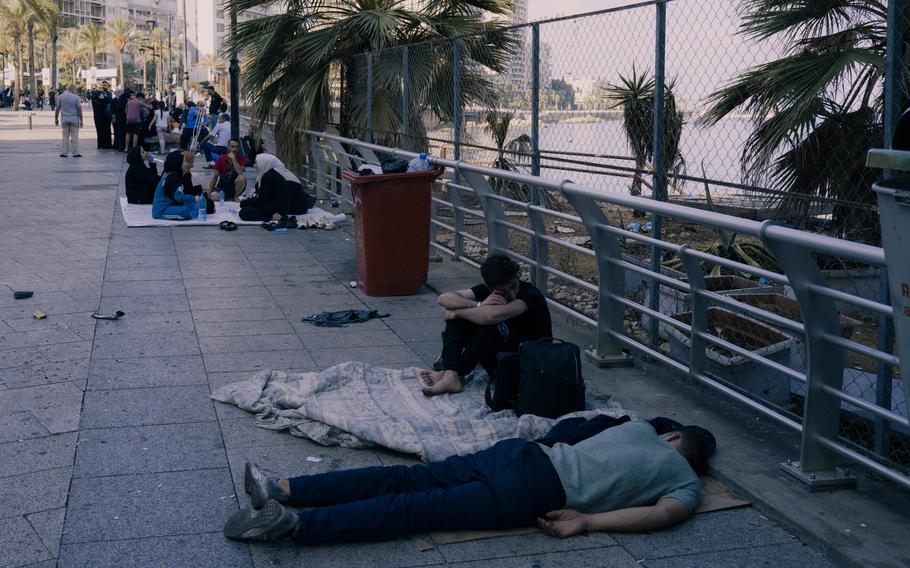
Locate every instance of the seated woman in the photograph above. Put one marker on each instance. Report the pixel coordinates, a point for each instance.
(170, 201)
(141, 177)
(299, 202)
(270, 201)
(228, 175)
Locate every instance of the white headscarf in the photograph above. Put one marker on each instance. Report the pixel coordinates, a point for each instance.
(268, 162)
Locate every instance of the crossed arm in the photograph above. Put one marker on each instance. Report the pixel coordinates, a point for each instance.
(567, 522)
(464, 305)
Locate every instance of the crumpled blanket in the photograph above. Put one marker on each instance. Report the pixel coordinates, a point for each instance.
(342, 317)
(356, 405)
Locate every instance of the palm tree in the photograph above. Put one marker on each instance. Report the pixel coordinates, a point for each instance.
(818, 109)
(511, 155)
(72, 50)
(15, 16)
(123, 36)
(213, 64)
(95, 37)
(635, 95)
(45, 13)
(291, 59)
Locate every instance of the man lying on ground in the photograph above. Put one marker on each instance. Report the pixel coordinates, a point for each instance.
(628, 477)
(484, 320)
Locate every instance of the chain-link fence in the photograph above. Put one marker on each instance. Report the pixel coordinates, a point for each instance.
(762, 110)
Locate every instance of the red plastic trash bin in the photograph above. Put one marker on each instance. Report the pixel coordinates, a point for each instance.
(392, 213)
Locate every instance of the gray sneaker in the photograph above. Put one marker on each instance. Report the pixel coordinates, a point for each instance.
(271, 523)
(261, 488)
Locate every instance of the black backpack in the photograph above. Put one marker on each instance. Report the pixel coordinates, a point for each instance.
(543, 378)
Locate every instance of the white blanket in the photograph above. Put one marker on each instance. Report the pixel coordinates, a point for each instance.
(141, 216)
(356, 405)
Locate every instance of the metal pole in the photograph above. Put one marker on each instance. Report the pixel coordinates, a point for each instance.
(456, 108)
(235, 79)
(405, 78)
(659, 177)
(535, 108)
(884, 375)
(370, 97)
(186, 55)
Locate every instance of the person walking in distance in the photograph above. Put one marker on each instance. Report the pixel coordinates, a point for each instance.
(101, 113)
(68, 116)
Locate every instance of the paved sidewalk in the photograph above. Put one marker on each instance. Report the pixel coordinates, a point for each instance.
(111, 451)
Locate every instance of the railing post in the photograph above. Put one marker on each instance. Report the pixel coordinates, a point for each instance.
(370, 97)
(893, 69)
(696, 277)
(454, 196)
(456, 103)
(493, 212)
(659, 177)
(817, 466)
(540, 250)
(607, 351)
(405, 79)
(535, 109)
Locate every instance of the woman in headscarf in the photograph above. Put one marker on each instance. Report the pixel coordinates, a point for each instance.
(141, 177)
(170, 201)
(278, 192)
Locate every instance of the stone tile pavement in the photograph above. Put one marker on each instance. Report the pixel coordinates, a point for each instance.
(111, 451)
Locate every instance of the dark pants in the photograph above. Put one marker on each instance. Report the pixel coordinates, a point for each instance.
(185, 138)
(506, 486)
(103, 130)
(465, 344)
(209, 149)
(120, 134)
(256, 212)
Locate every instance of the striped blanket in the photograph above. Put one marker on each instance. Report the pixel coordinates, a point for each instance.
(356, 405)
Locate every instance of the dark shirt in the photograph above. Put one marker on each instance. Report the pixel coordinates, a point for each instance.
(141, 179)
(532, 324)
(215, 104)
(271, 194)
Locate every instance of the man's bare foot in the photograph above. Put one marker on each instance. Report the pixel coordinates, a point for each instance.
(449, 382)
(430, 378)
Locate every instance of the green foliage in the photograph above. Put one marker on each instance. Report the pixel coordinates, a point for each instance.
(296, 60)
(817, 109)
(565, 94)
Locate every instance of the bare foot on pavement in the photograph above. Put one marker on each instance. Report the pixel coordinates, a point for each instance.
(444, 382)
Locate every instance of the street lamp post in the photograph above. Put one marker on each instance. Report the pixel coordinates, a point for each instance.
(144, 69)
(235, 78)
(186, 51)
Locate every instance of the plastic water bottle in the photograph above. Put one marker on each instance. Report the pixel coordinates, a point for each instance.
(220, 201)
(420, 163)
(203, 209)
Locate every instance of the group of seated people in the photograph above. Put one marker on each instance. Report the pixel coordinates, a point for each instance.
(601, 474)
(173, 195)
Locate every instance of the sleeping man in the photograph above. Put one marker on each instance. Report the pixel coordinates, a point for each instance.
(620, 476)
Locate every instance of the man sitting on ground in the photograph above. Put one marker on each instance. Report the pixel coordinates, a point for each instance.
(484, 320)
(625, 478)
(216, 141)
(228, 173)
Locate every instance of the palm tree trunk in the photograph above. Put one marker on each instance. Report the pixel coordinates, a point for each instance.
(122, 79)
(54, 58)
(32, 81)
(18, 87)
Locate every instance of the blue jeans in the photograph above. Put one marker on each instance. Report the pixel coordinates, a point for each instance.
(506, 486)
(208, 149)
(213, 120)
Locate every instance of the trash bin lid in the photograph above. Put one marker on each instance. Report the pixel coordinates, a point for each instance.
(886, 159)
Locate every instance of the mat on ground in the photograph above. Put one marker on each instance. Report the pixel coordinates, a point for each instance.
(141, 216)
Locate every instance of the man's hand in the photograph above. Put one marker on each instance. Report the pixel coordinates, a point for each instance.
(449, 315)
(56, 122)
(563, 523)
(495, 299)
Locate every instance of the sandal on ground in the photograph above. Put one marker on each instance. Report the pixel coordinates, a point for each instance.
(228, 226)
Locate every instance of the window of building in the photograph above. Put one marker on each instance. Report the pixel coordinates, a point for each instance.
(220, 28)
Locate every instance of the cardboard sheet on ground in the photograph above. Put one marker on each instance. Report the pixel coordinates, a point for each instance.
(141, 216)
(357, 405)
(715, 496)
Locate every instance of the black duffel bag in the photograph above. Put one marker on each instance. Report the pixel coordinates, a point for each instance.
(548, 381)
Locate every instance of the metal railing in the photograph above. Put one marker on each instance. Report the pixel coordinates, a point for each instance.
(719, 329)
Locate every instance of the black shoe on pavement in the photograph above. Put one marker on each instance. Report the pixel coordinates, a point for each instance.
(271, 523)
(77, 155)
(261, 488)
